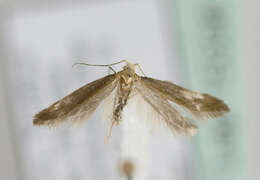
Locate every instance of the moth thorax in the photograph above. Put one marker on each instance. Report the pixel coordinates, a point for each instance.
(127, 86)
(127, 79)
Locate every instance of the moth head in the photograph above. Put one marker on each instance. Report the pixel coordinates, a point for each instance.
(129, 68)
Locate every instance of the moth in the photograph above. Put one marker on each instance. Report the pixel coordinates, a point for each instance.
(163, 97)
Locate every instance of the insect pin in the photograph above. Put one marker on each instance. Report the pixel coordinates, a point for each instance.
(162, 96)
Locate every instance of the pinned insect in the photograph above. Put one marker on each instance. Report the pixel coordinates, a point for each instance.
(161, 96)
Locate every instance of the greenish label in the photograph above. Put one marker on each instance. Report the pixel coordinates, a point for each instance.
(210, 54)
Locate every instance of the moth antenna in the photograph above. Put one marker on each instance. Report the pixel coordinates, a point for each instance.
(101, 65)
(140, 69)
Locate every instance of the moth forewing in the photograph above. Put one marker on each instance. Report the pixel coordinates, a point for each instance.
(79, 105)
(200, 105)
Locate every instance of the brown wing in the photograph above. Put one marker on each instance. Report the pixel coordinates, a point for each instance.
(167, 113)
(79, 105)
(201, 105)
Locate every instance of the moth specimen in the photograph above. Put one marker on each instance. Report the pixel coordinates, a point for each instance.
(162, 96)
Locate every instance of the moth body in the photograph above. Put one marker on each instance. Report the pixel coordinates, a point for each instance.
(127, 77)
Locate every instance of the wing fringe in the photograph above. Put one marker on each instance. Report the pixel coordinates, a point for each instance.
(167, 113)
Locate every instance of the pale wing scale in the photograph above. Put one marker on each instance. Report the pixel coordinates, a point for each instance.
(79, 105)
